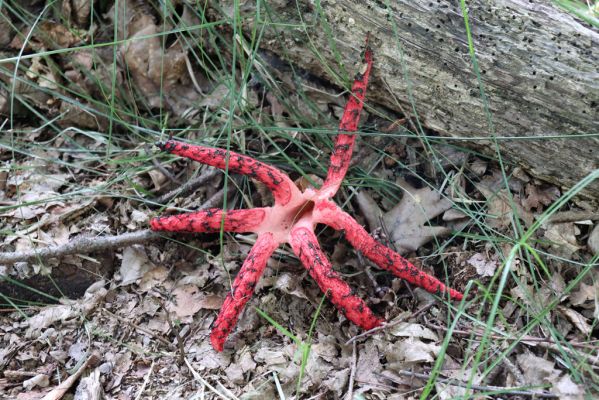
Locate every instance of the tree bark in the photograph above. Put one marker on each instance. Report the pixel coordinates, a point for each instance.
(538, 66)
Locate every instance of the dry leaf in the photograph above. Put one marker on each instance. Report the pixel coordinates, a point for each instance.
(57, 36)
(416, 351)
(211, 302)
(76, 11)
(478, 166)
(64, 312)
(322, 354)
(484, 266)
(453, 370)
(369, 209)
(235, 374)
(563, 238)
(271, 356)
(407, 222)
(6, 33)
(568, 390)
(576, 319)
(413, 330)
(368, 363)
(134, 265)
(90, 387)
(153, 278)
(454, 215)
(500, 208)
(337, 381)
(537, 197)
(214, 99)
(184, 301)
(584, 293)
(290, 284)
(537, 370)
(160, 74)
(40, 380)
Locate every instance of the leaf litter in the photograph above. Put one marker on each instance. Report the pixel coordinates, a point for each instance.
(136, 320)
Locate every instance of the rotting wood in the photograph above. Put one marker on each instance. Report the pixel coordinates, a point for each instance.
(537, 62)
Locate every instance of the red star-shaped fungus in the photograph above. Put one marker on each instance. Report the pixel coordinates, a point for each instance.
(292, 220)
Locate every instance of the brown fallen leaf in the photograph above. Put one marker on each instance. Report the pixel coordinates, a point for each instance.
(537, 370)
(539, 196)
(585, 293)
(47, 35)
(408, 222)
(6, 33)
(416, 351)
(40, 380)
(484, 266)
(188, 299)
(502, 206)
(77, 12)
(577, 319)
(562, 237)
(413, 330)
(134, 265)
(90, 387)
(369, 363)
(63, 312)
(159, 73)
(568, 390)
(451, 369)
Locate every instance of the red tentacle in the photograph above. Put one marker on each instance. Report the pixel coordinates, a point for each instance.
(344, 144)
(210, 221)
(305, 246)
(328, 213)
(277, 181)
(243, 289)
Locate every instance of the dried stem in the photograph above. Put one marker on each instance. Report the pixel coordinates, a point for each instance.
(81, 245)
(500, 389)
(187, 188)
(90, 244)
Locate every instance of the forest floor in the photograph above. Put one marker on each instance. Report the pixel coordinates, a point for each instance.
(124, 313)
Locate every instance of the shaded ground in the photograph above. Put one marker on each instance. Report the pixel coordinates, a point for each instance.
(77, 162)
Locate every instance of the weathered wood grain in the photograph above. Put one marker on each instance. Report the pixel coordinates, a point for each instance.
(539, 69)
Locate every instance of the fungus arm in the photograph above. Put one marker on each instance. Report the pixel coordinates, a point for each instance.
(277, 181)
(210, 221)
(344, 143)
(243, 289)
(329, 213)
(305, 246)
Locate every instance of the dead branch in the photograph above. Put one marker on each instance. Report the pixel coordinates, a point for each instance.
(81, 245)
(90, 244)
(455, 382)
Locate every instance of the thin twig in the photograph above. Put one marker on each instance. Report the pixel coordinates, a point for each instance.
(188, 187)
(455, 382)
(280, 391)
(510, 366)
(572, 216)
(524, 339)
(139, 328)
(203, 381)
(146, 380)
(81, 245)
(160, 167)
(192, 75)
(90, 244)
(59, 391)
(390, 324)
(352, 375)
